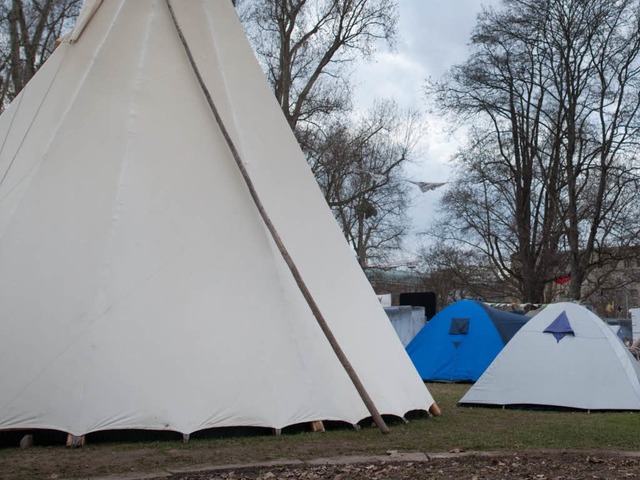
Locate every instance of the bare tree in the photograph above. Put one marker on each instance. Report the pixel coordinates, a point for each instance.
(504, 202)
(306, 48)
(307, 45)
(552, 87)
(596, 80)
(482, 214)
(30, 29)
(456, 273)
(360, 171)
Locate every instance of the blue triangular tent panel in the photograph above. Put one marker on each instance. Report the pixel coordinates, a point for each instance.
(560, 327)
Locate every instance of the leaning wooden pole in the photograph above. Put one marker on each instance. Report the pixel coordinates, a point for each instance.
(377, 418)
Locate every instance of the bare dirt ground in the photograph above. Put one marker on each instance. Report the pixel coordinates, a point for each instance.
(530, 465)
(534, 466)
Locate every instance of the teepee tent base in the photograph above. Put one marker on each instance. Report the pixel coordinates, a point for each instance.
(134, 258)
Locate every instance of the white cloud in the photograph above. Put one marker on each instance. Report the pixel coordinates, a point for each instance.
(433, 36)
(391, 75)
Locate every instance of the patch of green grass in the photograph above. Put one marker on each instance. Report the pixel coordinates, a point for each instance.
(496, 429)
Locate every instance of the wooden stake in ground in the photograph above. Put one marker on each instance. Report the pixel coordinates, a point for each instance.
(435, 410)
(26, 441)
(75, 442)
(317, 426)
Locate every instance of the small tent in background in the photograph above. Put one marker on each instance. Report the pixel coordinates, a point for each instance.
(140, 284)
(460, 342)
(565, 356)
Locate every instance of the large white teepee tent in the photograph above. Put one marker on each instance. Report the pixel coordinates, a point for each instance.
(139, 285)
(565, 356)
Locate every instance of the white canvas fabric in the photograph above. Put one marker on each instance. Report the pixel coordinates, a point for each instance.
(139, 287)
(591, 369)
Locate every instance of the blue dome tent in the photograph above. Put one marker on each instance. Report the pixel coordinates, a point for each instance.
(459, 343)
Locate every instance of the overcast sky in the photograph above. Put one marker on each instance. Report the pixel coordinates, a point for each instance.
(433, 36)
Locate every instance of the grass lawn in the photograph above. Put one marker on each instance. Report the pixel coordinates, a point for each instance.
(458, 428)
(497, 429)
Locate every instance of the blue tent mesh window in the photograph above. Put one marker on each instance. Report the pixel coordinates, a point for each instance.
(459, 326)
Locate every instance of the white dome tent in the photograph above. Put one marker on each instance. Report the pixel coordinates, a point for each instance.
(140, 284)
(565, 356)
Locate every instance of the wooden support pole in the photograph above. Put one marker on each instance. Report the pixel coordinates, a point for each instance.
(346, 364)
